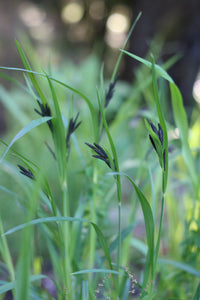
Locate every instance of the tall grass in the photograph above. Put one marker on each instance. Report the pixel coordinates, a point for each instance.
(64, 199)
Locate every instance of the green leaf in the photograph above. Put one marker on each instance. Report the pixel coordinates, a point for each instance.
(83, 96)
(182, 266)
(139, 245)
(164, 157)
(59, 132)
(5, 253)
(33, 124)
(159, 71)
(64, 219)
(88, 102)
(124, 46)
(11, 285)
(85, 294)
(182, 124)
(197, 293)
(98, 271)
(148, 217)
(31, 75)
(179, 116)
(157, 143)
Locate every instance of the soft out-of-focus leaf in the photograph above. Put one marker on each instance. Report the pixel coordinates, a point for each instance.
(182, 266)
(197, 293)
(30, 74)
(33, 124)
(98, 271)
(64, 219)
(85, 293)
(7, 286)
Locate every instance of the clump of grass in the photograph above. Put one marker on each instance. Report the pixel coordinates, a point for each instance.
(85, 259)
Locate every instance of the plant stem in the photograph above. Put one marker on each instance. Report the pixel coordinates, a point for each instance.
(119, 222)
(66, 238)
(6, 253)
(160, 225)
(93, 219)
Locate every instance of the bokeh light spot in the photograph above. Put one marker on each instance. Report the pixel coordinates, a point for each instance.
(196, 89)
(118, 23)
(72, 12)
(31, 15)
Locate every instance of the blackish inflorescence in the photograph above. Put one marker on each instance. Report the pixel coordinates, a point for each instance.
(45, 112)
(101, 154)
(110, 91)
(73, 125)
(26, 172)
(158, 132)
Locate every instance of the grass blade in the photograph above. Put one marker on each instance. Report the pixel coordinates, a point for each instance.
(182, 124)
(11, 285)
(182, 266)
(85, 294)
(5, 252)
(33, 124)
(179, 116)
(124, 46)
(84, 97)
(148, 217)
(31, 75)
(197, 293)
(160, 71)
(64, 219)
(164, 128)
(98, 271)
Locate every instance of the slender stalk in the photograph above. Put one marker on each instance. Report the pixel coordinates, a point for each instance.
(118, 180)
(124, 46)
(160, 226)
(92, 241)
(66, 239)
(6, 253)
(118, 183)
(119, 222)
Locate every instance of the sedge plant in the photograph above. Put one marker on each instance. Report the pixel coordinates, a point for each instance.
(80, 253)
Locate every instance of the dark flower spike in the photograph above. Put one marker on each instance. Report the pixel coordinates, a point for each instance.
(26, 172)
(158, 132)
(164, 160)
(157, 142)
(153, 144)
(110, 91)
(102, 155)
(73, 125)
(45, 112)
